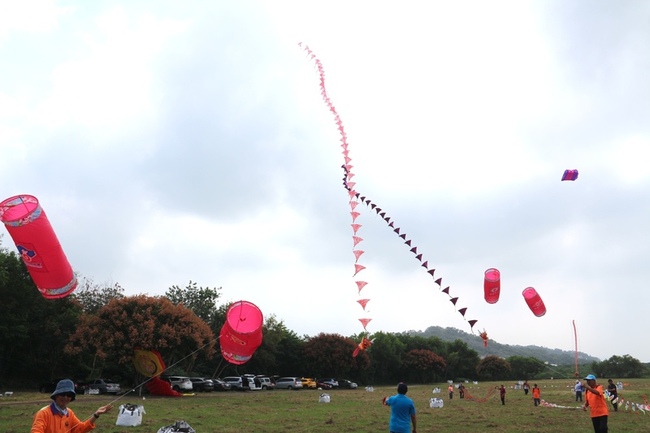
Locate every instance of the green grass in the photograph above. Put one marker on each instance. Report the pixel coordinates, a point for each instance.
(284, 411)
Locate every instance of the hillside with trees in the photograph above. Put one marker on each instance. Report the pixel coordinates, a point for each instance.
(544, 354)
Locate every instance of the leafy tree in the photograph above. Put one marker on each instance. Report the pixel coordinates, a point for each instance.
(331, 355)
(386, 355)
(624, 366)
(461, 360)
(493, 368)
(111, 335)
(201, 300)
(93, 296)
(424, 365)
(32, 327)
(525, 367)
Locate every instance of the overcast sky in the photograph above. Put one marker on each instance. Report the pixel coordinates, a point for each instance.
(175, 141)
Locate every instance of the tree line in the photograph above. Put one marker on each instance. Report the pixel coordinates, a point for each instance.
(93, 333)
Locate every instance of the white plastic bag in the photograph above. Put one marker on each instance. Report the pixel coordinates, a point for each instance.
(130, 415)
(436, 402)
(324, 398)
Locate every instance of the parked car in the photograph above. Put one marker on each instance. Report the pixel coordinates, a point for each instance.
(265, 382)
(220, 385)
(104, 386)
(347, 384)
(179, 383)
(201, 384)
(331, 381)
(288, 383)
(236, 383)
(308, 382)
(323, 385)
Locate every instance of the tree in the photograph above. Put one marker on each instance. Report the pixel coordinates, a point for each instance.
(424, 365)
(525, 367)
(124, 324)
(32, 327)
(493, 368)
(619, 366)
(386, 358)
(461, 361)
(93, 296)
(331, 355)
(201, 300)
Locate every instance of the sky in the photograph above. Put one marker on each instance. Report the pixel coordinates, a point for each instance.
(171, 142)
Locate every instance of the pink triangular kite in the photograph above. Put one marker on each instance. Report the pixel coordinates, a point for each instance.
(357, 254)
(360, 285)
(358, 268)
(355, 228)
(355, 215)
(363, 303)
(356, 240)
(364, 322)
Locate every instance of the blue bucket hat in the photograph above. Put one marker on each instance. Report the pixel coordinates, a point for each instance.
(64, 386)
(590, 377)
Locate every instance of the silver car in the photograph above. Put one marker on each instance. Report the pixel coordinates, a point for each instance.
(288, 383)
(179, 383)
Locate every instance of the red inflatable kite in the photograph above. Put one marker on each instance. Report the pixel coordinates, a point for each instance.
(38, 246)
(492, 285)
(241, 335)
(534, 301)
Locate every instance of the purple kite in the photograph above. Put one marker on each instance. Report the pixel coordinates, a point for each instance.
(570, 175)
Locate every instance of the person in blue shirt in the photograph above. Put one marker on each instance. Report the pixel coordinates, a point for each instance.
(402, 412)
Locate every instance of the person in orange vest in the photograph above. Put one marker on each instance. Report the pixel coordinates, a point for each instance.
(59, 418)
(451, 391)
(537, 393)
(595, 401)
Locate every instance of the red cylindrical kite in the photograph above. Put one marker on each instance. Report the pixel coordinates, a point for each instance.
(534, 301)
(38, 246)
(241, 335)
(492, 285)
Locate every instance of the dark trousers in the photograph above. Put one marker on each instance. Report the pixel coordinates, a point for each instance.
(578, 396)
(537, 401)
(600, 424)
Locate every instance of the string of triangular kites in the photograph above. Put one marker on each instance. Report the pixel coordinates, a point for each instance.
(354, 199)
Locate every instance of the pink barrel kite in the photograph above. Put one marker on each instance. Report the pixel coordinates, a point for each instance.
(241, 334)
(38, 246)
(492, 285)
(534, 301)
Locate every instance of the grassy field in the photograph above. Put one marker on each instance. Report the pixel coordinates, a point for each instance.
(284, 411)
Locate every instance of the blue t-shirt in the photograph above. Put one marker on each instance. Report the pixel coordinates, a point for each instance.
(402, 408)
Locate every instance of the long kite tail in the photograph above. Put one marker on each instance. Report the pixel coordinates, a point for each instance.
(354, 199)
(413, 249)
(352, 195)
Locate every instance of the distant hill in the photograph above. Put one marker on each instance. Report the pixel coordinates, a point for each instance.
(544, 354)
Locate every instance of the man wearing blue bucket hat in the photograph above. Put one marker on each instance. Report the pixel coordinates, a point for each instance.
(595, 401)
(59, 418)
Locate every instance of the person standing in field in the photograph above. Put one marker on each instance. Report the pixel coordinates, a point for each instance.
(613, 394)
(595, 401)
(537, 395)
(450, 388)
(578, 389)
(402, 411)
(502, 394)
(526, 387)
